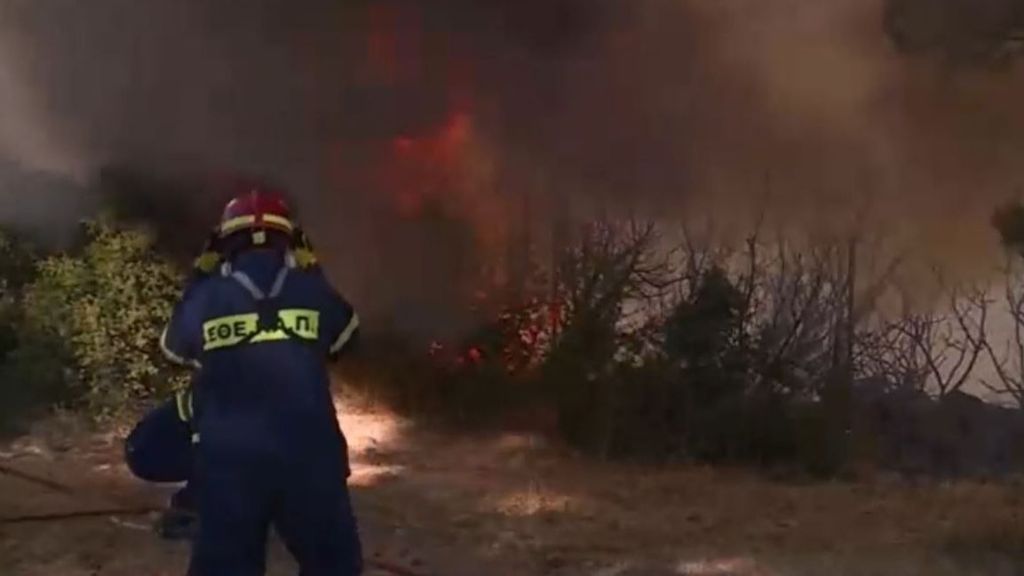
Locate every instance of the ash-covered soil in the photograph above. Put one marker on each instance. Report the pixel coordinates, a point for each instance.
(512, 505)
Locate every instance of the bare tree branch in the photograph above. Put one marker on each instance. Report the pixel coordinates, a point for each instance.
(949, 345)
(1009, 365)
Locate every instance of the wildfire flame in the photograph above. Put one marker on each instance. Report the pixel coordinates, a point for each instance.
(431, 172)
(424, 168)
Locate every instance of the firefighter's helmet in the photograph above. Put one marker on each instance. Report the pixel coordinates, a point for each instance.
(257, 210)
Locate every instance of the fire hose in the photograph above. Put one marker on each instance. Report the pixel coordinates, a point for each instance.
(383, 565)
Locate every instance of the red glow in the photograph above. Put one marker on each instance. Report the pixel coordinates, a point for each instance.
(555, 314)
(409, 203)
(454, 135)
(421, 168)
(427, 164)
(441, 146)
(403, 144)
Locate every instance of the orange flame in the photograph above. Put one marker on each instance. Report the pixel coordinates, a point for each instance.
(423, 169)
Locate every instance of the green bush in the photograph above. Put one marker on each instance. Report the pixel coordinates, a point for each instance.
(21, 392)
(103, 309)
(17, 269)
(32, 380)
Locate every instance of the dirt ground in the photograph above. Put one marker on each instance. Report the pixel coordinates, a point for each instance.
(513, 506)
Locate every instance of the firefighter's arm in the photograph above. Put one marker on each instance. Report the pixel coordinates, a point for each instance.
(177, 340)
(180, 339)
(185, 405)
(342, 327)
(347, 342)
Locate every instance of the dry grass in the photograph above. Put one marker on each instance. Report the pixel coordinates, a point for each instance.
(511, 505)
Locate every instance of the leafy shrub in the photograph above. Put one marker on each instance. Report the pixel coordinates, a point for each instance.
(21, 390)
(32, 380)
(103, 308)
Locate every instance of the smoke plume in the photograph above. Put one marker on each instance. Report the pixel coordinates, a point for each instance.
(423, 140)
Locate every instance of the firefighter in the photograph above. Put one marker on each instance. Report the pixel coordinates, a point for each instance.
(161, 447)
(269, 451)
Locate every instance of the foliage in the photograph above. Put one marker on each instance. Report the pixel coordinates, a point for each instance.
(21, 385)
(104, 308)
(17, 268)
(642, 350)
(32, 380)
(610, 269)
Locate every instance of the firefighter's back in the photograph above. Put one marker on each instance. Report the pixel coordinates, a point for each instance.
(261, 330)
(265, 390)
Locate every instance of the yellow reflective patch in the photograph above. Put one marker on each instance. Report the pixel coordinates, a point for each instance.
(229, 331)
(269, 336)
(305, 258)
(304, 323)
(207, 261)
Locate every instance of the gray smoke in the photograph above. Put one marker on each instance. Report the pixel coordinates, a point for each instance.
(677, 108)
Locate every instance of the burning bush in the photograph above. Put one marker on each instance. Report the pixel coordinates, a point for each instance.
(718, 357)
(610, 269)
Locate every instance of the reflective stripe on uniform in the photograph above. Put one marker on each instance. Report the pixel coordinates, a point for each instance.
(257, 294)
(303, 323)
(183, 400)
(246, 282)
(346, 334)
(282, 276)
(174, 357)
(229, 331)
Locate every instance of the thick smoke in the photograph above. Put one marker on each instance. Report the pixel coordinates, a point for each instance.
(421, 137)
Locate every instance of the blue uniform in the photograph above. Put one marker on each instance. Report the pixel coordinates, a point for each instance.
(270, 451)
(160, 447)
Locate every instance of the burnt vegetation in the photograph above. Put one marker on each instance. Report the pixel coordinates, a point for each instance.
(660, 345)
(640, 341)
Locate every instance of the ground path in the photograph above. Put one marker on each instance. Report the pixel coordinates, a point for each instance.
(508, 505)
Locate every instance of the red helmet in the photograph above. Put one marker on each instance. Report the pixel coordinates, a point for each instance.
(257, 209)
